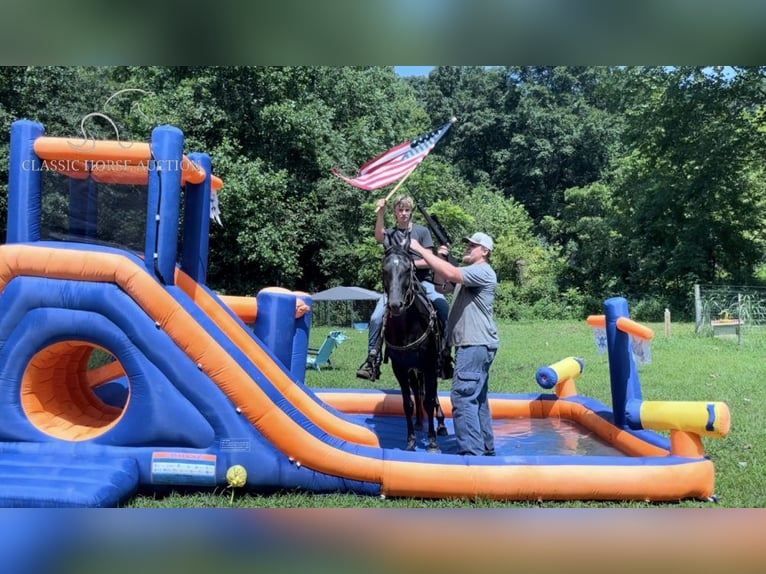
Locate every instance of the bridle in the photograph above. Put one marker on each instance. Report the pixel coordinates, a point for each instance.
(408, 300)
(409, 295)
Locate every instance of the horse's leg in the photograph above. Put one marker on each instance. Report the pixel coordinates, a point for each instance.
(441, 428)
(431, 403)
(416, 384)
(404, 385)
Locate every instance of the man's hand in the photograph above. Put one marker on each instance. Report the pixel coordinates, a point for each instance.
(445, 274)
(443, 251)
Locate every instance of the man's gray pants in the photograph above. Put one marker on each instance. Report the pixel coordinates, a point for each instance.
(470, 407)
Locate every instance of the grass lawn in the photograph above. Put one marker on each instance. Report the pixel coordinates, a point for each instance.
(684, 367)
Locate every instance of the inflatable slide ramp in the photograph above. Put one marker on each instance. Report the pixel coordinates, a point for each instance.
(56, 481)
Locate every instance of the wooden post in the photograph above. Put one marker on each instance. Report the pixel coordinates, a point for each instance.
(667, 323)
(739, 318)
(697, 308)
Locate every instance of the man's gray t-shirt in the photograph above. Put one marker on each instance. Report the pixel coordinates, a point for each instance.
(471, 316)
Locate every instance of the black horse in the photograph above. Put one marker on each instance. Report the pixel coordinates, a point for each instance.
(412, 333)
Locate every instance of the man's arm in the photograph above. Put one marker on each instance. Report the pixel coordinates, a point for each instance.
(420, 264)
(441, 267)
(441, 284)
(422, 236)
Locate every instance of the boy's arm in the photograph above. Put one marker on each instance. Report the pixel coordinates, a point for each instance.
(380, 222)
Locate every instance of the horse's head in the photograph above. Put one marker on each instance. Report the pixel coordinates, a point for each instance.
(398, 275)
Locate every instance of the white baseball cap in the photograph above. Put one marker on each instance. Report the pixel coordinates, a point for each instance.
(482, 239)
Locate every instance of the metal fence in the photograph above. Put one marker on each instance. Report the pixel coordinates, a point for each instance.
(729, 309)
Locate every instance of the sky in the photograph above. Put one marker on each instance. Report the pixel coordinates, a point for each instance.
(413, 70)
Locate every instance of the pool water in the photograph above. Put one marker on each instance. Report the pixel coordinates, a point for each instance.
(530, 437)
(513, 437)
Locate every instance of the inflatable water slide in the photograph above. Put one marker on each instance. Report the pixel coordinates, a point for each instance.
(183, 385)
(121, 371)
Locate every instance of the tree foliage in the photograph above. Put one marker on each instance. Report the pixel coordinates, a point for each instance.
(689, 192)
(594, 181)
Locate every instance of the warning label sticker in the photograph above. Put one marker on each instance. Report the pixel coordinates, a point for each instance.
(183, 468)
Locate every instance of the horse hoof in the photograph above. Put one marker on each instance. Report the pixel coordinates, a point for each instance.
(433, 449)
(411, 445)
(442, 431)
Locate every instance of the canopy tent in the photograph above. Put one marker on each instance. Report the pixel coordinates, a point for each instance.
(347, 295)
(342, 293)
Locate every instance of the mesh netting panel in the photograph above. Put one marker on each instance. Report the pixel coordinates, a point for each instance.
(89, 212)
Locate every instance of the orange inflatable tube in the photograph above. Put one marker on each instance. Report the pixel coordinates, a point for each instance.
(110, 161)
(184, 330)
(625, 325)
(246, 308)
(459, 478)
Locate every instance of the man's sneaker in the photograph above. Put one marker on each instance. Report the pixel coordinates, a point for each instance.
(368, 371)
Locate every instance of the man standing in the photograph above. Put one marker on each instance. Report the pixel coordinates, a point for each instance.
(472, 331)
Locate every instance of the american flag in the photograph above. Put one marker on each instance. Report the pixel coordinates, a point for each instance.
(396, 163)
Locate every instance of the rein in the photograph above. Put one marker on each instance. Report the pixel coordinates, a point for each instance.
(417, 342)
(409, 299)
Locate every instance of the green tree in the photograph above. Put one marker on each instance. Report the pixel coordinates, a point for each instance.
(690, 193)
(559, 136)
(590, 246)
